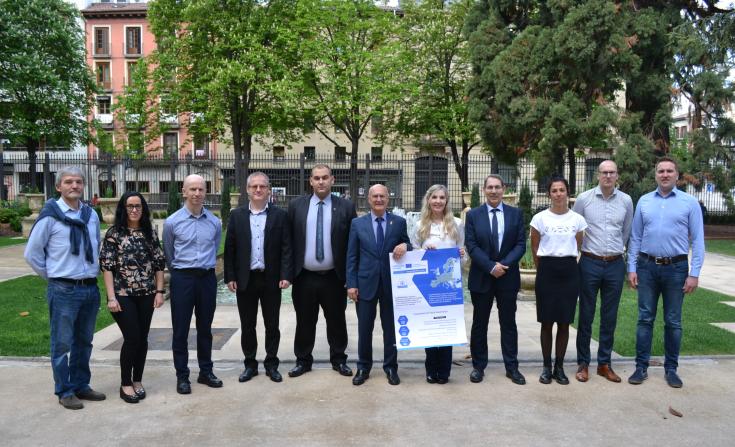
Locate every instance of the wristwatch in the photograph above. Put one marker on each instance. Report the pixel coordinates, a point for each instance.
(161, 291)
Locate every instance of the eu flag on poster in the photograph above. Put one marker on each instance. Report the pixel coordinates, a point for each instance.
(428, 301)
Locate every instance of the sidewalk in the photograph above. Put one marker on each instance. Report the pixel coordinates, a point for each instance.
(12, 263)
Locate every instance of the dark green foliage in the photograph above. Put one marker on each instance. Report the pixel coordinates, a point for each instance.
(475, 196)
(525, 201)
(46, 87)
(174, 199)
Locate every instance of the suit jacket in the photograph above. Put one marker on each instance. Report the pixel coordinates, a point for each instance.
(276, 247)
(366, 267)
(343, 211)
(479, 246)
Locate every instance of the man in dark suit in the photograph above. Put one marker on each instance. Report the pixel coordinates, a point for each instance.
(257, 266)
(320, 224)
(373, 237)
(495, 237)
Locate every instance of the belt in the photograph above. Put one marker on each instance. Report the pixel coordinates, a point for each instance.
(660, 260)
(257, 270)
(195, 272)
(77, 282)
(602, 258)
(319, 272)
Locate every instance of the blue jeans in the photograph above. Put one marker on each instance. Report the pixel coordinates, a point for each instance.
(72, 315)
(607, 278)
(667, 281)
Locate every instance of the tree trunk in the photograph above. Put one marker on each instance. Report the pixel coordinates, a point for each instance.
(353, 169)
(460, 163)
(32, 148)
(572, 171)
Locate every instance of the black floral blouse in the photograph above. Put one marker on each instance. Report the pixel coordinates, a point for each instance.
(132, 261)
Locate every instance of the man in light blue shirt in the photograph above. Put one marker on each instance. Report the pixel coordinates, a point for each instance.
(191, 237)
(666, 222)
(63, 248)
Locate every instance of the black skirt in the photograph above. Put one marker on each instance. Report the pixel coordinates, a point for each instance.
(557, 289)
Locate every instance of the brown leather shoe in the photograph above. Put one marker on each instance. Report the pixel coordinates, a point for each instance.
(607, 372)
(582, 373)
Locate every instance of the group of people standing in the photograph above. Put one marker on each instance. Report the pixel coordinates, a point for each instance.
(329, 254)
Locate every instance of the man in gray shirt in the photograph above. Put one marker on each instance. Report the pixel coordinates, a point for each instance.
(609, 215)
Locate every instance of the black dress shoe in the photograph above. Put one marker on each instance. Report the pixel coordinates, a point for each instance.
(545, 377)
(516, 377)
(361, 376)
(343, 369)
(442, 380)
(559, 376)
(431, 378)
(393, 378)
(208, 378)
(129, 398)
(183, 386)
(248, 374)
(90, 394)
(476, 376)
(299, 370)
(274, 374)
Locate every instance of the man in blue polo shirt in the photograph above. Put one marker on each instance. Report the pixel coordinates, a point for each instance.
(665, 223)
(191, 237)
(63, 248)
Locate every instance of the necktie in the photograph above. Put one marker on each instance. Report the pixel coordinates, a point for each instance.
(320, 232)
(494, 234)
(379, 237)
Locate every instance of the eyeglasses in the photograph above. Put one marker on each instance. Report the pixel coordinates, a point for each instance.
(134, 207)
(608, 173)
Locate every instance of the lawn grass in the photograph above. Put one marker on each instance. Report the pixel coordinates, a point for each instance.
(721, 246)
(699, 337)
(11, 240)
(29, 336)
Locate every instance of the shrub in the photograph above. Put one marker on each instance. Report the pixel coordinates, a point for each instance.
(475, 197)
(525, 200)
(174, 200)
(225, 209)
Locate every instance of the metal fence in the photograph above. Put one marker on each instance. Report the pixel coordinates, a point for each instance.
(407, 176)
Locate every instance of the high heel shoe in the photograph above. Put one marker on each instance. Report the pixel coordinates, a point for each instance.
(131, 399)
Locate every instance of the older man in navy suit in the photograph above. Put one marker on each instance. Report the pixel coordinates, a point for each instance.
(373, 237)
(495, 237)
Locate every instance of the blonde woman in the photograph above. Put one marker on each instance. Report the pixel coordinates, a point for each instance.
(438, 228)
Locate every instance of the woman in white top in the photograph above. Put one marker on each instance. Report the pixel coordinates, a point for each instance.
(438, 228)
(556, 237)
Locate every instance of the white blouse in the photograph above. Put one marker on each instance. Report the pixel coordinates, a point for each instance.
(438, 236)
(558, 232)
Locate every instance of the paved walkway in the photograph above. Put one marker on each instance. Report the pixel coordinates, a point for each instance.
(12, 264)
(323, 408)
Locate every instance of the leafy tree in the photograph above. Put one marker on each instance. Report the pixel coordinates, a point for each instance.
(349, 67)
(545, 74)
(436, 103)
(46, 88)
(225, 62)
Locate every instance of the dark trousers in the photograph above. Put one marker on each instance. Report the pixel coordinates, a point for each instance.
(607, 278)
(134, 321)
(506, 303)
(310, 291)
(439, 362)
(192, 293)
(366, 311)
(269, 296)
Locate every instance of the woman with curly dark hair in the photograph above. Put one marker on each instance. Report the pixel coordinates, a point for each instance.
(132, 263)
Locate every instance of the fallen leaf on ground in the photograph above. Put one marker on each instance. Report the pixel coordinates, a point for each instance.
(675, 412)
(24, 313)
